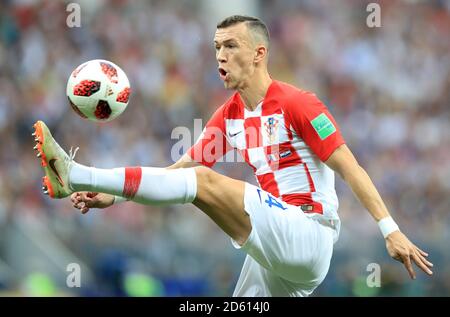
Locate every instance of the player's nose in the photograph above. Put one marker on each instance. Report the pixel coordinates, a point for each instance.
(220, 56)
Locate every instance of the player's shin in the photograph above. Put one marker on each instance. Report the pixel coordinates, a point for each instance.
(145, 185)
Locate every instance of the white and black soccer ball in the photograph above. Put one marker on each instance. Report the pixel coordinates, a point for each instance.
(98, 90)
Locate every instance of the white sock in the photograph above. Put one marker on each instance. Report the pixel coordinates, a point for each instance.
(145, 185)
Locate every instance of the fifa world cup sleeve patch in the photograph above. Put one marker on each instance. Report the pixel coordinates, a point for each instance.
(323, 126)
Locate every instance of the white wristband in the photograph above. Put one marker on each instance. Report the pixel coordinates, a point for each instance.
(119, 199)
(387, 226)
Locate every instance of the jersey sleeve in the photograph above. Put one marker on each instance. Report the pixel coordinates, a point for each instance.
(313, 122)
(211, 144)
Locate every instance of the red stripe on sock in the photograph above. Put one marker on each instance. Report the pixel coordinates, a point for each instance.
(133, 177)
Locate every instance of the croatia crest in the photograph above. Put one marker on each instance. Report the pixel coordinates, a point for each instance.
(271, 128)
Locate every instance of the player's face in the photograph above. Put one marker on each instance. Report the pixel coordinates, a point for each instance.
(235, 54)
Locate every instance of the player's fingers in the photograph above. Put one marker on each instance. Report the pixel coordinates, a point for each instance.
(423, 253)
(82, 201)
(83, 208)
(424, 260)
(78, 204)
(74, 197)
(91, 194)
(421, 264)
(83, 196)
(407, 263)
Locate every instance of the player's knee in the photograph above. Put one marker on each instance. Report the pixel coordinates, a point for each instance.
(205, 176)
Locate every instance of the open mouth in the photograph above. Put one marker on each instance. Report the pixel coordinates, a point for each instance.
(223, 73)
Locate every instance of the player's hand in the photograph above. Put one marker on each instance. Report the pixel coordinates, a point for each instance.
(86, 200)
(401, 249)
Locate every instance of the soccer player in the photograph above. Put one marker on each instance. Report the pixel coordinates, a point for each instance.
(289, 224)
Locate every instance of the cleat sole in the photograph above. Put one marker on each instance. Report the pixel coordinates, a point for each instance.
(48, 187)
(58, 189)
(40, 140)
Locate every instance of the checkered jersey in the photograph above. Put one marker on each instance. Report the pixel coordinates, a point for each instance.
(285, 140)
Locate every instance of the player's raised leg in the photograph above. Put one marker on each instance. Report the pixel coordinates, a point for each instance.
(220, 197)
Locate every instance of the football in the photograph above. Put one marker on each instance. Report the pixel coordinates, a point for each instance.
(98, 90)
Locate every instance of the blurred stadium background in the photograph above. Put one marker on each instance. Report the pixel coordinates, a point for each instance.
(388, 87)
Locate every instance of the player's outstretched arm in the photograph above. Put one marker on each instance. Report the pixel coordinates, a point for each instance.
(398, 245)
(86, 200)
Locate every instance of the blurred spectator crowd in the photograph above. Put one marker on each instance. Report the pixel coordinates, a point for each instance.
(388, 87)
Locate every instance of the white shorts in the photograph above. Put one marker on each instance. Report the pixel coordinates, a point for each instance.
(288, 252)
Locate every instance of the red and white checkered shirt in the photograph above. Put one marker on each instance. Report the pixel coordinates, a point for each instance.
(285, 140)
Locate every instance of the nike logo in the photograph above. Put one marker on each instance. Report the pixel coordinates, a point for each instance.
(53, 167)
(232, 135)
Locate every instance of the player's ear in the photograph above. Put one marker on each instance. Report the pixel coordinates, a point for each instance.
(260, 53)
